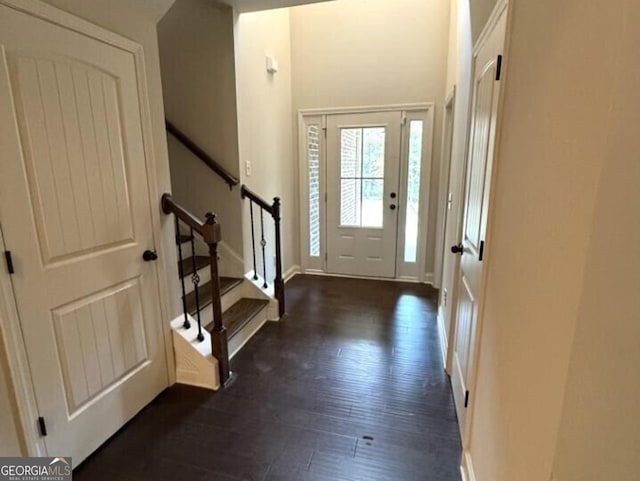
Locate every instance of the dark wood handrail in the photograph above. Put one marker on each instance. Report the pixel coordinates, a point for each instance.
(246, 192)
(227, 176)
(209, 229)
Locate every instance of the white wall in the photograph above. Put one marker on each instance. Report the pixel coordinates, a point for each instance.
(599, 435)
(460, 76)
(565, 153)
(373, 52)
(198, 79)
(265, 124)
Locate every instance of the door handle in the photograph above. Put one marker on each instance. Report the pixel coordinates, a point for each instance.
(392, 207)
(457, 249)
(149, 256)
(393, 195)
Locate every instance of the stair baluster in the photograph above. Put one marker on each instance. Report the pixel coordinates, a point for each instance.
(195, 278)
(274, 210)
(253, 243)
(186, 323)
(263, 243)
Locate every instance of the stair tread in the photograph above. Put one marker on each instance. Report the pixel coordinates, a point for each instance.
(238, 315)
(187, 264)
(204, 292)
(183, 238)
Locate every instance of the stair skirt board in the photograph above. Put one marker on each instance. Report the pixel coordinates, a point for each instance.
(268, 293)
(195, 364)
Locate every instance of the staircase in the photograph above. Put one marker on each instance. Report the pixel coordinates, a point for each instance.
(221, 312)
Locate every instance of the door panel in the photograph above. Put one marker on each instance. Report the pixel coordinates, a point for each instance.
(76, 168)
(76, 213)
(362, 174)
(477, 190)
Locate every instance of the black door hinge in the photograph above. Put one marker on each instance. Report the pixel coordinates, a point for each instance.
(43, 426)
(466, 399)
(499, 68)
(481, 253)
(7, 256)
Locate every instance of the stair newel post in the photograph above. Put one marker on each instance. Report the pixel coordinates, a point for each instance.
(219, 347)
(186, 324)
(278, 281)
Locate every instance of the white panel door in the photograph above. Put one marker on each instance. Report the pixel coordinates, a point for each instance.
(363, 167)
(477, 186)
(76, 214)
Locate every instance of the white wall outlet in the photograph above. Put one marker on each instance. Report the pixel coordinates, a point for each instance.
(247, 166)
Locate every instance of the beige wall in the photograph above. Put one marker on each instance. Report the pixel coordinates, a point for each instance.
(480, 13)
(459, 75)
(545, 253)
(198, 79)
(373, 52)
(599, 435)
(265, 123)
(10, 431)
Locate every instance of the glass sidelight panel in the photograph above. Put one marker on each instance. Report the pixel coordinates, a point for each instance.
(413, 191)
(313, 156)
(362, 176)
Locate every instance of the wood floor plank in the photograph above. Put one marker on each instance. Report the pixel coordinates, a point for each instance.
(348, 386)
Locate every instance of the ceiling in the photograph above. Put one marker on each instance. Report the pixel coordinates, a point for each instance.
(254, 5)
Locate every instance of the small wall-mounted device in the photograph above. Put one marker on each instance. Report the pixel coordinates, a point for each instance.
(272, 64)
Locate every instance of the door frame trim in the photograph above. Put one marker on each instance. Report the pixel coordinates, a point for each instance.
(19, 371)
(501, 8)
(305, 268)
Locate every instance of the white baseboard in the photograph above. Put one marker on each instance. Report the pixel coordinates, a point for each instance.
(444, 343)
(430, 278)
(291, 272)
(370, 278)
(466, 469)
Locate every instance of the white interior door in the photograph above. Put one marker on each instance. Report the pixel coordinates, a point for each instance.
(76, 214)
(363, 167)
(477, 186)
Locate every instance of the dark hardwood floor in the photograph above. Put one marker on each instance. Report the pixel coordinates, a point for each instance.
(349, 386)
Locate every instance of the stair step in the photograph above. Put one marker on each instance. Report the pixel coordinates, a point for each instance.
(238, 315)
(187, 264)
(183, 238)
(204, 292)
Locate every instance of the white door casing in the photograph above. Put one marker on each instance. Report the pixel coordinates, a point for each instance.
(363, 243)
(477, 194)
(76, 213)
